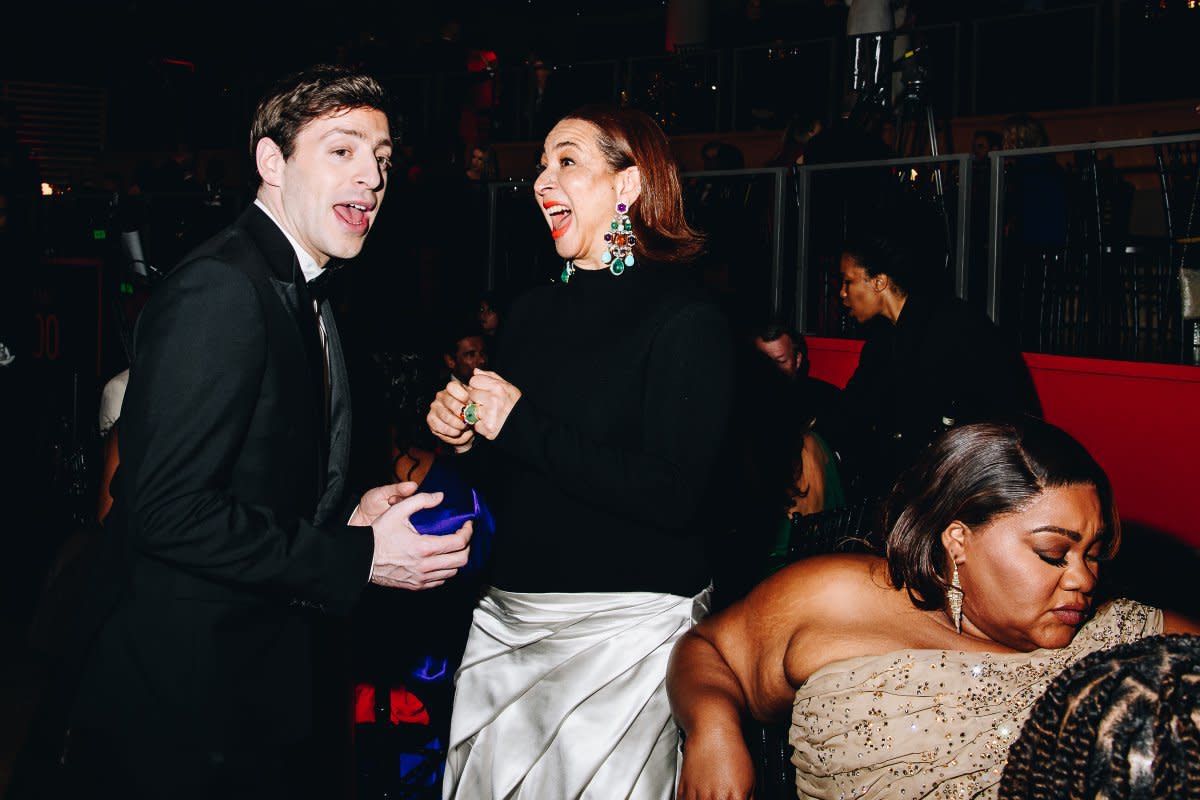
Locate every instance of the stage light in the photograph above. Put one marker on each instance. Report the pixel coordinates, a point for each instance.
(47, 189)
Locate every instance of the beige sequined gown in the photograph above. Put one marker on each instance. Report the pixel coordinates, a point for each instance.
(932, 723)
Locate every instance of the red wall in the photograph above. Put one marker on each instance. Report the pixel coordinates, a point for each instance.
(1140, 421)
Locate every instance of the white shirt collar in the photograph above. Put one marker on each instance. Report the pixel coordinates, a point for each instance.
(308, 264)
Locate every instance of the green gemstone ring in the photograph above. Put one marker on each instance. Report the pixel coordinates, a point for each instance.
(469, 413)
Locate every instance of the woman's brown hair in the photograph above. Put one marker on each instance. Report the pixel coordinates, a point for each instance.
(630, 138)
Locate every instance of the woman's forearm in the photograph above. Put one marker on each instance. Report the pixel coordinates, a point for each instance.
(709, 703)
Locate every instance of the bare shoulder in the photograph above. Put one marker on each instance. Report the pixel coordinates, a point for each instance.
(754, 635)
(852, 609)
(838, 586)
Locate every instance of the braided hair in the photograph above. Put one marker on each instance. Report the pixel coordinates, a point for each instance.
(1120, 723)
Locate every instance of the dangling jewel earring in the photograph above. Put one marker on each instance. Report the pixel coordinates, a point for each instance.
(568, 271)
(954, 598)
(621, 240)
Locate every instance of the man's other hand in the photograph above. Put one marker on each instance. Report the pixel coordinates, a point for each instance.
(405, 559)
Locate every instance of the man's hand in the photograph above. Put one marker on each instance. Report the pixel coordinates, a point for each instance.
(405, 559)
(379, 500)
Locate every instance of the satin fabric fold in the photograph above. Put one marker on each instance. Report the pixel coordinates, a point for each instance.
(564, 696)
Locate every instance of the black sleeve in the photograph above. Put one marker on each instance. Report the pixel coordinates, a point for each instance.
(996, 383)
(856, 405)
(685, 411)
(200, 358)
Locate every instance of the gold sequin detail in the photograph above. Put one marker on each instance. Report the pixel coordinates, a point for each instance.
(932, 723)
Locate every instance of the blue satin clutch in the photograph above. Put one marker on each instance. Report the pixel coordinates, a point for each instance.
(460, 502)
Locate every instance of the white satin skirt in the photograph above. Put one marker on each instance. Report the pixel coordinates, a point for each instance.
(564, 696)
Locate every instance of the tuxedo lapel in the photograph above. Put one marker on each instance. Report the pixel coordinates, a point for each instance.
(287, 280)
(339, 420)
(332, 430)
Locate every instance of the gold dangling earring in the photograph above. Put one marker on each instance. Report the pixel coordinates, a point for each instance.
(954, 598)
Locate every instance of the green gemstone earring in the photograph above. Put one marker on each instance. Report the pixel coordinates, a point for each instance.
(621, 240)
(568, 271)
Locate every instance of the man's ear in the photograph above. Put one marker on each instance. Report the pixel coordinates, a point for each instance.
(449, 361)
(880, 282)
(268, 158)
(954, 539)
(629, 185)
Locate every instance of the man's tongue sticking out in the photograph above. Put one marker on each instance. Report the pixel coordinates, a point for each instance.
(351, 214)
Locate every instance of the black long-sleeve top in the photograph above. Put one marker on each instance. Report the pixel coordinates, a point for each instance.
(942, 363)
(600, 478)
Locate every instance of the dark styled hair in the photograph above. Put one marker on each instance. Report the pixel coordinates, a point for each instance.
(497, 300)
(773, 329)
(973, 474)
(310, 94)
(491, 162)
(630, 138)
(1119, 723)
(457, 329)
(901, 237)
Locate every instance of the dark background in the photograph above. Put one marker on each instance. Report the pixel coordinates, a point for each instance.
(189, 70)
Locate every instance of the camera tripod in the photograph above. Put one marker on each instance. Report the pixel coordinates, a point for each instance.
(914, 112)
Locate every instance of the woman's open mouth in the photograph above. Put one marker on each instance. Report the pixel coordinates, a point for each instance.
(560, 218)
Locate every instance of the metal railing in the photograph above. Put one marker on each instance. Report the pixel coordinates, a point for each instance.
(996, 195)
(1108, 279)
(1118, 288)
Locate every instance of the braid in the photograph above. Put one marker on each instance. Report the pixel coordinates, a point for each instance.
(1182, 738)
(1187, 737)
(1120, 723)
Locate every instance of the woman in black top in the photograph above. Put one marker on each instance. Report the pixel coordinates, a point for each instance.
(600, 428)
(930, 360)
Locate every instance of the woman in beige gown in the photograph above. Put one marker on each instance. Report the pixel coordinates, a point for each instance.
(908, 676)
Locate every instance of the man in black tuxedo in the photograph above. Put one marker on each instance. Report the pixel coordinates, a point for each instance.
(230, 525)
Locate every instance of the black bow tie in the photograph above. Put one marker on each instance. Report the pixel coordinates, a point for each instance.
(322, 286)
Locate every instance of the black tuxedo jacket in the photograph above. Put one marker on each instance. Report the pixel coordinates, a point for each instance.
(229, 511)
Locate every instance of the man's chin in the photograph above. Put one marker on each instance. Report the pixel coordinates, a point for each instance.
(347, 250)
